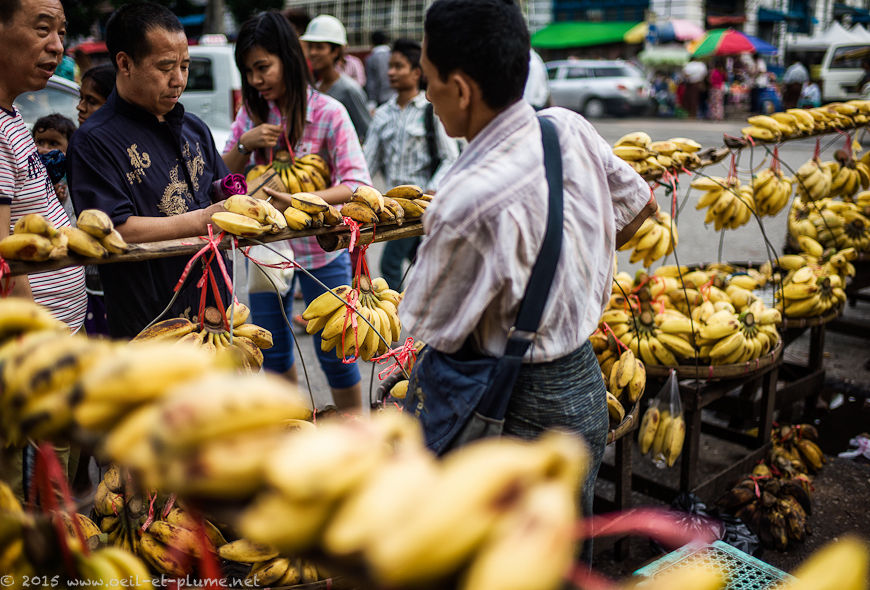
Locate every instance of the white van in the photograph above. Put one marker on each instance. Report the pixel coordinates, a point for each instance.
(841, 71)
(214, 88)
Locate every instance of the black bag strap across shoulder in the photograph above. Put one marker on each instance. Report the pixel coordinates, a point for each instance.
(538, 288)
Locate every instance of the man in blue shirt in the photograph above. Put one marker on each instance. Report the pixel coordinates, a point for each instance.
(148, 164)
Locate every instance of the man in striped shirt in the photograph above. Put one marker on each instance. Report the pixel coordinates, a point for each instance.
(406, 147)
(31, 47)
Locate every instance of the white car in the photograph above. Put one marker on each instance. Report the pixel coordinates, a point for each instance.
(214, 88)
(59, 96)
(597, 88)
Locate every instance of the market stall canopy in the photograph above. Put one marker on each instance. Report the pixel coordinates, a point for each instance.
(664, 31)
(661, 56)
(563, 35)
(731, 42)
(836, 33)
(860, 32)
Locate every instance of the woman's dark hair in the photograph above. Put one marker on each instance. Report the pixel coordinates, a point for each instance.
(127, 27)
(471, 37)
(103, 77)
(272, 32)
(57, 122)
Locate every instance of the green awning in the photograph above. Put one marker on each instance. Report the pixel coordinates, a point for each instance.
(580, 34)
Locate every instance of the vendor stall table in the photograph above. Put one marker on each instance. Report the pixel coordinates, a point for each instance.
(699, 387)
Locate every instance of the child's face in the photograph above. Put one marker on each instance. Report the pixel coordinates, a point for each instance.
(50, 139)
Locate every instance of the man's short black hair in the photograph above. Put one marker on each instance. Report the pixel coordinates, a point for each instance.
(127, 27)
(473, 37)
(56, 121)
(8, 8)
(379, 38)
(410, 49)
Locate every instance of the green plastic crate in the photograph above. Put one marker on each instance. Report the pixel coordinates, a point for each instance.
(742, 571)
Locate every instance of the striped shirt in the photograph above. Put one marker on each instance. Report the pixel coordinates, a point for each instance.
(328, 132)
(396, 145)
(26, 188)
(485, 228)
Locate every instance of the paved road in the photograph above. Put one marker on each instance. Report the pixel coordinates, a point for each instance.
(698, 243)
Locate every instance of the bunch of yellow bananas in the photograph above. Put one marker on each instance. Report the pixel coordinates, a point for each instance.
(813, 180)
(729, 204)
(327, 487)
(121, 507)
(209, 437)
(368, 205)
(377, 329)
(726, 338)
(306, 173)
(833, 223)
(249, 217)
(655, 238)
(771, 190)
(809, 291)
(645, 155)
(35, 239)
(268, 569)
(662, 434)
(172, 545)
(111, 567)
(798, 122)
(14, 523)
(848, 175)
(244, 341)
(103, 565)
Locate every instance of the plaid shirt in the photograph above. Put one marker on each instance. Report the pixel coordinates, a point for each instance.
(328, 132)
(396, 145)
(485, 228)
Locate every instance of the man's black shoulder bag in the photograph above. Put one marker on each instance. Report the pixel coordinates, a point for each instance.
(464, 396)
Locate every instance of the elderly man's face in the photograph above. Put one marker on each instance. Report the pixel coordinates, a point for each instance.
(31, 47)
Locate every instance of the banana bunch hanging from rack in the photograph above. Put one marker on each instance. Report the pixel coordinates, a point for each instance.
(848, 175)
(729, 203)
(813, 180)
(655, 238)
(771, 190)
(245, 345)
(377, 329)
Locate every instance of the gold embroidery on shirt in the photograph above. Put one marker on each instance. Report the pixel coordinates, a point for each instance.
(139, 163)
(195, 166)
(175, 195)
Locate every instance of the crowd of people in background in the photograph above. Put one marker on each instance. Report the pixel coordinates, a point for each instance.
(707, 89)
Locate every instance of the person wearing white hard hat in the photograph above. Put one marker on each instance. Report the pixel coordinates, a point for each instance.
(325, 39)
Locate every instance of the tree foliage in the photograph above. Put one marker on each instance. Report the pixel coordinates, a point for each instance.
(244, 9)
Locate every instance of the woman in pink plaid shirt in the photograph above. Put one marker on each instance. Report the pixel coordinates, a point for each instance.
(281, 109)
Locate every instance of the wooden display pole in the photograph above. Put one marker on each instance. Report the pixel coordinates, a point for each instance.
(330, 238)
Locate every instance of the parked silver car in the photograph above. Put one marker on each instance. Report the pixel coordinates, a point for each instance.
(597, 88)
(59, 96)
(214, 88)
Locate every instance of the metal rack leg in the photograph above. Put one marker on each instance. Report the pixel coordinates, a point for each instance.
(689, 460)
(623, 488)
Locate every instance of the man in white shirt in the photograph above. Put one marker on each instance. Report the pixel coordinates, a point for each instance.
(408, 145)
(486, 226)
